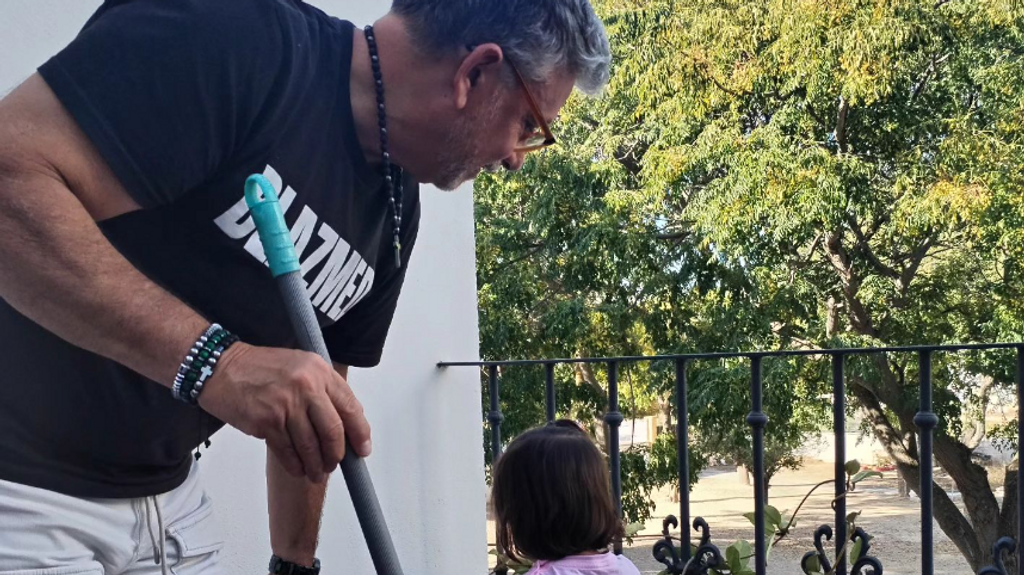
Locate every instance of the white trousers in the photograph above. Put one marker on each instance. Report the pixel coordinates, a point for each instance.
(46, 533)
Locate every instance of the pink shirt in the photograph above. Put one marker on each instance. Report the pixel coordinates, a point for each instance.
(601, 564)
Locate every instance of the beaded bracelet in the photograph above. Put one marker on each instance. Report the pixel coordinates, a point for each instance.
(197, 367)
(185, 367)
(199, 364)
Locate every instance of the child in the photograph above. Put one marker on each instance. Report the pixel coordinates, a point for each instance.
(553, 505)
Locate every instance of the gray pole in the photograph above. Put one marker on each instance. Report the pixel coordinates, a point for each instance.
(284, 264)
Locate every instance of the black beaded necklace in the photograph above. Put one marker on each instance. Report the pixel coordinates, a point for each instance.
(392, 174)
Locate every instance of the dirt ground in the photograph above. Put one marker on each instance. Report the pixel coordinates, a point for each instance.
(721, 499)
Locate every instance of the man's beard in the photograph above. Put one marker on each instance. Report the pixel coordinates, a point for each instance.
(459, 160)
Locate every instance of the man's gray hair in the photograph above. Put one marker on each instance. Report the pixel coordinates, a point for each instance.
(539, 36)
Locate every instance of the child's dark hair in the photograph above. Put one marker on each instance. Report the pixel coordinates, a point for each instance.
(551, 495)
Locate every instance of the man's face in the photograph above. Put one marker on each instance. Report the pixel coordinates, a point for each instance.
(488, 132)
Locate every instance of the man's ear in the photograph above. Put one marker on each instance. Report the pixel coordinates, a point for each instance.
(480, 69)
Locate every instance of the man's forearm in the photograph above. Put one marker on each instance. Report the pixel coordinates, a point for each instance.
(296, 506)
(58, 269)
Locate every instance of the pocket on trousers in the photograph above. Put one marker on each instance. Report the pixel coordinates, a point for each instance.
(198, 541)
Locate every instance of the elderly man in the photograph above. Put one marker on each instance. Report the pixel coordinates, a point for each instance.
(137, 316)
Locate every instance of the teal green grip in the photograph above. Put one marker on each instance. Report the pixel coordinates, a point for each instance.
(274, 234)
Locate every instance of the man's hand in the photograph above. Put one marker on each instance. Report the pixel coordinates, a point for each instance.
(294, 400)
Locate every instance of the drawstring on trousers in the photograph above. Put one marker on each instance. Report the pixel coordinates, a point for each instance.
(159, 550)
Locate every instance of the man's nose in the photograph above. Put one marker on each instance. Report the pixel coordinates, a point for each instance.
(514, 162)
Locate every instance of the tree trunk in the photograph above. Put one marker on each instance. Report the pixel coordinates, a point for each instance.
(979, 500)
(1008, 517)
(974, 427)
(831, 318)
(743, 474)
(665, 415)
(946, 513)
(585, 376)
(955, 458)
(902, 489)
(601, 435)
(975, 543)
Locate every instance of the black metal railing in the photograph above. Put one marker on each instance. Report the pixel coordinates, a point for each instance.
(682, 560)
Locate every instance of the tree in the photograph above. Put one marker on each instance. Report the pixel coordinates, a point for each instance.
(784, 174)
(722, 390)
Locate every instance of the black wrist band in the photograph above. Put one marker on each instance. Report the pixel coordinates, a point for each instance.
(279, 566)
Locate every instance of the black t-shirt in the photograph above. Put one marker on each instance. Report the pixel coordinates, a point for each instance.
(184, 99)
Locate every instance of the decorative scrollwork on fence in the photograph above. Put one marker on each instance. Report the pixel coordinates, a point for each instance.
(695, 561)
(818, 561)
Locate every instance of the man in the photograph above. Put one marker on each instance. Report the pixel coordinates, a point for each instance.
(124, 237)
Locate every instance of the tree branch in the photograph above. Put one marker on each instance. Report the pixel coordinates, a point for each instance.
(630, 158)
(860, 318)
(835, 253)
(1008, 515)
(916, 257)
(972, 481)
(591, 123)
(705, 69)
(814, 245)
(844, 110)
(585, 375)
(817, 118)
(876, 226)
(672, 235)
(720, 86)
(932, 67)
(532, 251)
(831, 318)
(864, 248)
(977, 434)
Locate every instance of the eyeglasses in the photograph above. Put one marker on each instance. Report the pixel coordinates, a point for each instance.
(541, 136)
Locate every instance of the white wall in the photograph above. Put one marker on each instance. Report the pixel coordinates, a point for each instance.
(428, 462)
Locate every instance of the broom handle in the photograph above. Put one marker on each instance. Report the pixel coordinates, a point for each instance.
(284, 265)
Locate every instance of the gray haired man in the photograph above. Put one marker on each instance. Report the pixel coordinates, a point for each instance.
(136, 313)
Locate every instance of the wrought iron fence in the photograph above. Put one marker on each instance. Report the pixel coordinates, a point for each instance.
(682, 559)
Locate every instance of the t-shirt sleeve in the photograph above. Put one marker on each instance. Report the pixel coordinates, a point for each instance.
(357, 339)
(169, 90)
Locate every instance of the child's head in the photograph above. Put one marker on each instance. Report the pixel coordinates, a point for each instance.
(551, 496)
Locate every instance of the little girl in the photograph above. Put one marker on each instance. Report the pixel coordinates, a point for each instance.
(553, 505)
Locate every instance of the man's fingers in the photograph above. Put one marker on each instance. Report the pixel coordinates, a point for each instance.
(286, 455)
(351, 411)
(331, 431)
(307, 445)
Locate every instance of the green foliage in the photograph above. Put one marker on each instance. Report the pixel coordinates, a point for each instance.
(646, 468)
(737, 557)
(518, 566)
(769, 174)
(1004, 436)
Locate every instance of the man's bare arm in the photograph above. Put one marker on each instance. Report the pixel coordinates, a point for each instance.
(56, 266)
(296, 508)
(58, 269)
